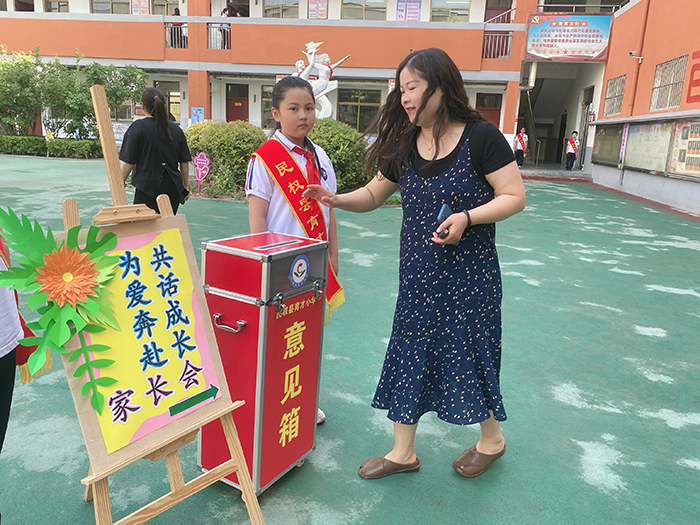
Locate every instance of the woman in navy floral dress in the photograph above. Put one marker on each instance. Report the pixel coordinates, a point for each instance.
(445, 349)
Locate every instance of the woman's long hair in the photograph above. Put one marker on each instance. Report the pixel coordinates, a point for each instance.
(396, 134)
(153, 102)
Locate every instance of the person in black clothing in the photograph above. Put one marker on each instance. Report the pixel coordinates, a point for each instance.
(444, 353)
(152, 149)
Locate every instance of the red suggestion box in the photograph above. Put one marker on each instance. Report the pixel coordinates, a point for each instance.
(266, 296)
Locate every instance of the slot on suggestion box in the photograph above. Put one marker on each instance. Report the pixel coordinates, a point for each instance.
(266, 294)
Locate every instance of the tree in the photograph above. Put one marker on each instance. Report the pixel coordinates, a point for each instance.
(20, 92)
(121, 84)
(57, 85)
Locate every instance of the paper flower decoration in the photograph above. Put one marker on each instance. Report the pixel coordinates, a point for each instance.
(68, 277)
(67, 289)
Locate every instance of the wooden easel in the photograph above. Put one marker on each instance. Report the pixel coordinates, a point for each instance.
(166, 441)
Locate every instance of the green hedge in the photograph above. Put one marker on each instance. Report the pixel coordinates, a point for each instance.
(67, 148)
(345, 147)
(229, 145)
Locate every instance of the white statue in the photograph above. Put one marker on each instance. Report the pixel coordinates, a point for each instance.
(323, 84)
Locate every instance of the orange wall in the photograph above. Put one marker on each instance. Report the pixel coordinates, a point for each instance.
(669, 34)
(251, 43)
(94, 39)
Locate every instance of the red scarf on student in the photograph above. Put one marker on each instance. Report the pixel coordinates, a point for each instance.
(573, 145)
(290, 180)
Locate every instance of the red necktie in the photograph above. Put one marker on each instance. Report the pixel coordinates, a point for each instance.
(311, 170)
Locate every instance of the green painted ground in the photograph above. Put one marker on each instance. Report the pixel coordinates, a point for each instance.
(600, 366)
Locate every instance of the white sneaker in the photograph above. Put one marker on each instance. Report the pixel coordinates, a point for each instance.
(320, 417)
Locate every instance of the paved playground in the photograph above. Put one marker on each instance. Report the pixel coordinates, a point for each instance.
(601, 315)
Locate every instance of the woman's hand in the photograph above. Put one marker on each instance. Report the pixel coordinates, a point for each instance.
(321, 194)
(455, 225)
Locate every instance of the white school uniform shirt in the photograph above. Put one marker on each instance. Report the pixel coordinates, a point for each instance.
(10, 327)
(519, 146)
(569, 148)
(280, 218)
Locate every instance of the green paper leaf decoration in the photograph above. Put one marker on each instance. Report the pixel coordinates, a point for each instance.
(58, 324)
(97, 363)
(26, 239)
(36, 299)
(36, 360)
(105, 381)
(98, 401)
(94, 329)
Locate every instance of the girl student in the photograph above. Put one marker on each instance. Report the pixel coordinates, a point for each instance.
(444, 353)
(155, 149)
(282, 168)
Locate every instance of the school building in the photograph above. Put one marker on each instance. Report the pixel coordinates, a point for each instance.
(606, 68)
(227, 66)
(647, 131)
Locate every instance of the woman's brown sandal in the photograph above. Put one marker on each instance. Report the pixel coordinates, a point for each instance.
(471, 463)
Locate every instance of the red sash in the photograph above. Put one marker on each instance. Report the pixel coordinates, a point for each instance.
(521, 140)
(290, 180)
(573, 145)
(23, 352)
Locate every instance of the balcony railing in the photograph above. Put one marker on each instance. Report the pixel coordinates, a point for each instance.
(497, 44)
(503, 18)
(577, 8)
(219, 36)
(176, 35)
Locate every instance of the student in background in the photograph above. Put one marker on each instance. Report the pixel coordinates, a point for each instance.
(572, 150)
(520, 147)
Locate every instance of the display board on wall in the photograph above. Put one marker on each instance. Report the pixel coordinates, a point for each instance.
(408, 10)
(563, 36)
(685, 157)
(318, 9)
(647, 146)
(607, 143)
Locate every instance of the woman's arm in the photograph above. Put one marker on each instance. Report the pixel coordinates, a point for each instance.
(333, 242)
(126, 169)
(185, 172)
(509, 199)
(257, 214)
(367, 198)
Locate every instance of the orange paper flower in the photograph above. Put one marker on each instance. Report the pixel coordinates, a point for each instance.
(68, 277)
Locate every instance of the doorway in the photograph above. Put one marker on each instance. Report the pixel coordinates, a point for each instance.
(586, 109)
(489, 105)
(236, 102)
(562, 137)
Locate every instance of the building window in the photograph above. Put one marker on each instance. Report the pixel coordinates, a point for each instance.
(56, 7)
(267, 121)
(668, 84)
(357, 107)
(110, 7)
(281, 9)
(613, 96)
(124, 112)
(171, 90)
(364, 10)
(3, 5)
(165, 7)
(450, 11)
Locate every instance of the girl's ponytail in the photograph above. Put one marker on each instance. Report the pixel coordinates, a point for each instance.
(154, 103)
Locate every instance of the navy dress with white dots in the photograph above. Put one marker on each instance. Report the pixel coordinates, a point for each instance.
(445, 349)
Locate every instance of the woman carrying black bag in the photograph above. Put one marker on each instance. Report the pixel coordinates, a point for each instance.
(156, 150)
